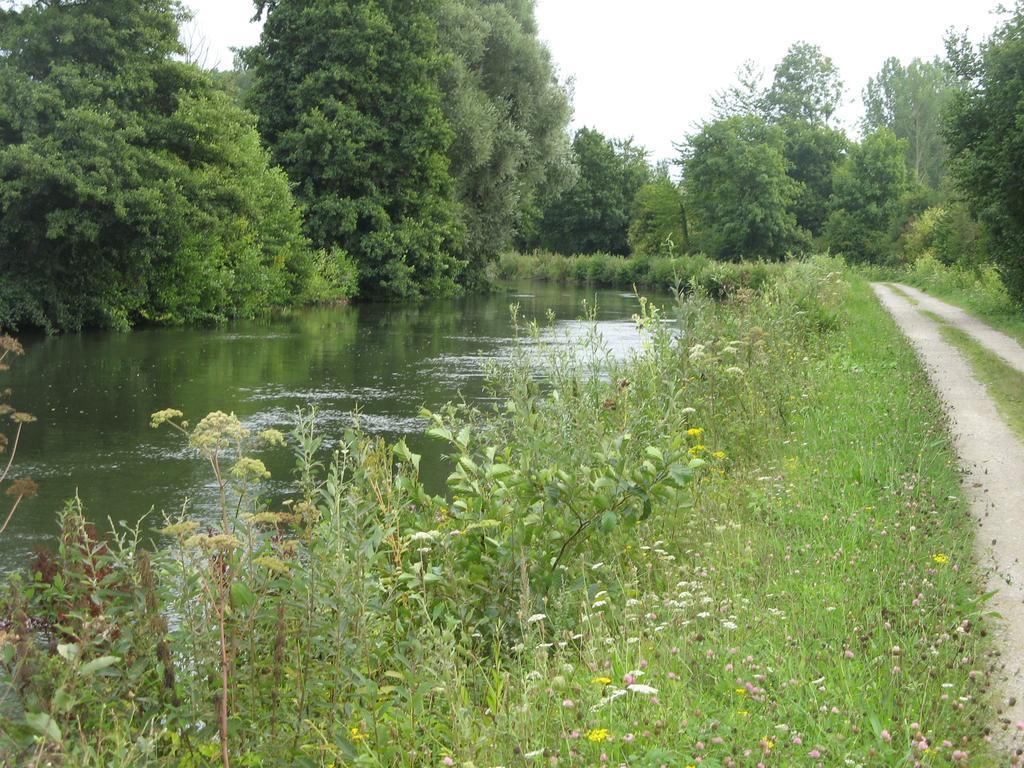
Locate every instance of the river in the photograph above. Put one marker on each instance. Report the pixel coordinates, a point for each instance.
(93, 392)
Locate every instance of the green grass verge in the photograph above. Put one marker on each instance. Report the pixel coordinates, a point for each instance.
(809, 600)
(1004, 382)
(979, 292)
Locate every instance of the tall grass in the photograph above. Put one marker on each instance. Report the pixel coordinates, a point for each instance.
(689, 272)
(744, 545)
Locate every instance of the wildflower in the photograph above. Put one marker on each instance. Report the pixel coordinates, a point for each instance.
(161, 417)
(940, 558)
(23, 487)
(250, 469)
(741, 691)
(886, 737)
(271, 563)
(597, 735)
(814, 753)
(695, 431)
(218, 431)
(535, 618)
(568, 703)
(272, 437)
(601, 680)
(182, 528)
(643, 690)
(719, 455)
(446, 760)
(697, 450)
(356, 734)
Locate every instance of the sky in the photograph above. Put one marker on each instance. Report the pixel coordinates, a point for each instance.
(648, 69)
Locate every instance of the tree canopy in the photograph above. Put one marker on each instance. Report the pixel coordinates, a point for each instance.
(594, 214)
(985, 141)
(909, 101)
(130, 188)
(867, 199)
(739, 196)
(348, 100)
(508, 115)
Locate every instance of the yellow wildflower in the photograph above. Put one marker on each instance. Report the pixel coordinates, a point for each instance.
(940, 558)
(719, 454)
(356, 734)
(741, 691)
(695, 431)
(601, 680)
(598, 735)
(697, 450)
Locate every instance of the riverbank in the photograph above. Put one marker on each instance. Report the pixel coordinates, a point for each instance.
(688, 272)
(747, 547)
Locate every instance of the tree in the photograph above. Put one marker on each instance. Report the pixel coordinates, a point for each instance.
(739, 197)
(659, 216)
(130, 188)
(868, 198)
(983, 132)
(813, 153)
(508, 115)
(909, 101)
(806, 86)
(746, 96)
(347, 96)
(593, 215)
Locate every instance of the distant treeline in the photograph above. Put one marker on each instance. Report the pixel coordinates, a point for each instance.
(389, 150)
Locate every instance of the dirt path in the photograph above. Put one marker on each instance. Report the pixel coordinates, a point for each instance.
(993, 460)
(993, 340)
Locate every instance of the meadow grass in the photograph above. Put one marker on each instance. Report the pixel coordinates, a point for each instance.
(744, 546)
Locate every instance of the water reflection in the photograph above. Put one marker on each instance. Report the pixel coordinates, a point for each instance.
(93, 392)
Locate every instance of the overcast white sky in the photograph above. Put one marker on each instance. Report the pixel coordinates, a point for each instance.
(648, 68)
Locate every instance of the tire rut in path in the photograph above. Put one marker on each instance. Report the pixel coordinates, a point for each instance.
(992, 458)
(994, 341)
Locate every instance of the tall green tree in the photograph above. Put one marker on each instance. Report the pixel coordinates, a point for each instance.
(909, 101)
(986, 140)
(348, 100)
(813, 155)
(868, 199)
(659, 216)
(508, 115)
(130, 188)
(806, 86)
(594, 214)
(739, 196)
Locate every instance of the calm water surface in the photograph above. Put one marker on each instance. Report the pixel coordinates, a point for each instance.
(93, 392)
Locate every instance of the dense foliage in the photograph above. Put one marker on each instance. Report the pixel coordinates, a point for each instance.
(508, 116)
(594, 214)
(130, 189)
(348, 101)
(739, 196)
(869, 189)
(659, 217)
(984, 136)
(909, 101)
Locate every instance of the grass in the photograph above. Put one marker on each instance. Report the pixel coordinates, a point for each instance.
(689, 272)
(802, 594)
(1004, 382)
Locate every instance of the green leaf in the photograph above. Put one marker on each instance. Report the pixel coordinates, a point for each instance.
(98, 665)
(241, 595)
(44, 725)
(69, 651)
